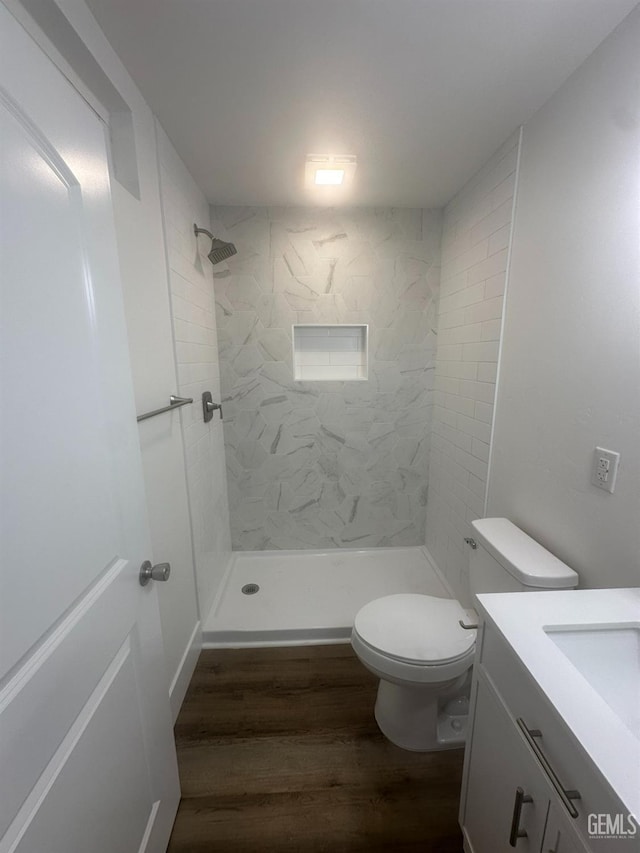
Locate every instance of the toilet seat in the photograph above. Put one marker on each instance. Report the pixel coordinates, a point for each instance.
(414, 629)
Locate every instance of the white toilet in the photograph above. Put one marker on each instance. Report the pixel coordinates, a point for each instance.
(418, 648)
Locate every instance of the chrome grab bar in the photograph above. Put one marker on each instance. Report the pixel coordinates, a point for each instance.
(174, 403)
(565, 795)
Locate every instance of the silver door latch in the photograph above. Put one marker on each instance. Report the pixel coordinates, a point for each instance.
(159, 572)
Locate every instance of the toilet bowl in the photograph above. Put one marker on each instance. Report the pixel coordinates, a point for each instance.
(418, 647)
(415, 645)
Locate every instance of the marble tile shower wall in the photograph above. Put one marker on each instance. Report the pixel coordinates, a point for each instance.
(327, 464)
(475, 243)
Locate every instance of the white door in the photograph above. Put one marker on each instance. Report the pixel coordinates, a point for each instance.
(87, 759)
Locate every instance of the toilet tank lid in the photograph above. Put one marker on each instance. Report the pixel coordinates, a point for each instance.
(522, 556)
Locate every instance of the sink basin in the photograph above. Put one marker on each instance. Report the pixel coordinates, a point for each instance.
(609, 659)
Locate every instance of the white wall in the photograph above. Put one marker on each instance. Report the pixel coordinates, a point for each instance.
(146, 295)
(196, 344)
(475, 240)
(570, 366)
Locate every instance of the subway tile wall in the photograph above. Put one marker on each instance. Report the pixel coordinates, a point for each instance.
(193, 309)
(475, 244)
(327, 464)
(329, 352)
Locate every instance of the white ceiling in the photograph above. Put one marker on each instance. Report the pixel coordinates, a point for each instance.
(422, 91)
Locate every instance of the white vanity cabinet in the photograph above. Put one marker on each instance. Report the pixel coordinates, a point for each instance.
(561, 837)
(527, 784)
(507, 800)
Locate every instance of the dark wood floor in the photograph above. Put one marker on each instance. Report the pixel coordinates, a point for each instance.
(279, 752)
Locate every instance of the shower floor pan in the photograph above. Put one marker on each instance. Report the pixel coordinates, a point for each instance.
(307, 597)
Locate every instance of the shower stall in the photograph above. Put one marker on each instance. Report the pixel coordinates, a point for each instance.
(327, 477)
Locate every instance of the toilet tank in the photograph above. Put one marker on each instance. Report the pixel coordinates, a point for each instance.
(507, 560)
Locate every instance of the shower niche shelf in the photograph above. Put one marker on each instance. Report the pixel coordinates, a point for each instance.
(337, 352)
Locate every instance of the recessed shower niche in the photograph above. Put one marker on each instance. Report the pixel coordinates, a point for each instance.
(329, 352)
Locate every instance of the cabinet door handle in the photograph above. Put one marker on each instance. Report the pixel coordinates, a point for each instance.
(516, 832)
(565, 795)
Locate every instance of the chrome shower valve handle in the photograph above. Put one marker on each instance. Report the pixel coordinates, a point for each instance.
(209, 407)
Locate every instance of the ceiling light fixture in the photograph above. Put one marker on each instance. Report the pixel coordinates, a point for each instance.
(329, 171)
(329, 177)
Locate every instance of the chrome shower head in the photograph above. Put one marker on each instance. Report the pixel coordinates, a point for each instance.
(220, 250)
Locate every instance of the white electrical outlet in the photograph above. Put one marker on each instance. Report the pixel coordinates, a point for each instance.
(605, 468)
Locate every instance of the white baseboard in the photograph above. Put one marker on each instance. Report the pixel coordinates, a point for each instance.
(275, 638)
(181, 679)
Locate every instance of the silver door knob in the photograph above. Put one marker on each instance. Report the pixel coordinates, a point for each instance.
(159, 572)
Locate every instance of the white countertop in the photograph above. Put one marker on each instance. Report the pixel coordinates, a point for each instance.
(522, 619)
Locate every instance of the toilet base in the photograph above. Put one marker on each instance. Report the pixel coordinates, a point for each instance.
(419, 718)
